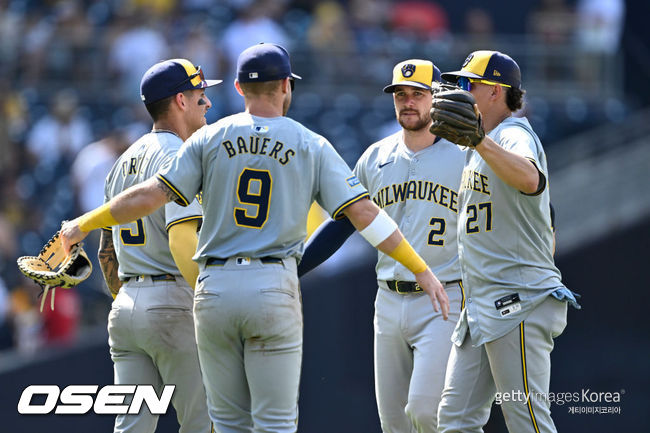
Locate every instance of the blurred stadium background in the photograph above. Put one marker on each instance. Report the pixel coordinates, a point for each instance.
(69, 104)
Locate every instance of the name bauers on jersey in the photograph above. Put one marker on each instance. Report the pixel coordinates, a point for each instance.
(417, 190)
(259, 146)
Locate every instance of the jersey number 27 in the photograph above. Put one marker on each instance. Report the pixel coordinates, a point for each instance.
(472, 226)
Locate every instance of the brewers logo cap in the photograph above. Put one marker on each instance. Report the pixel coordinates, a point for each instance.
(415, 73)
(488, 65)
(264, 62)
(170, 77)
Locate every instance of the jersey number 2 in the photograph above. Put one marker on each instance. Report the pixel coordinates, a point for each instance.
(130, 238)
(254, 189)
(439, 226)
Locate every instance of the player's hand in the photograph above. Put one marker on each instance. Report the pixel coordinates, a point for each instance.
(71, 234)
(430, 284)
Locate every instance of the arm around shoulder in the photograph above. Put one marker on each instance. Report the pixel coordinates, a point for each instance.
(133, 203)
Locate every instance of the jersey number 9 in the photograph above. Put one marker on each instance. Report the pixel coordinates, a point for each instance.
(253, 189)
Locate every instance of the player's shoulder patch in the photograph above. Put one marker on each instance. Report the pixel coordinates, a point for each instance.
(352, 181)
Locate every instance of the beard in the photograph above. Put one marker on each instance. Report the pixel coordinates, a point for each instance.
(414, 124)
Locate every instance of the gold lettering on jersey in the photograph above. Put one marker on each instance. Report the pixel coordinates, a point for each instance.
(241, 145)
(475, 181)
(265, 143)
(276, 148)
(398, 192)
(288, 154)
(443, 196)
(410, 191)
(259, 146)
(422, 190)
(229, 148)
(133, 165)
(254, 144)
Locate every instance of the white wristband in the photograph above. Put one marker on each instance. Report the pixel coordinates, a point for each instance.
(379, 229)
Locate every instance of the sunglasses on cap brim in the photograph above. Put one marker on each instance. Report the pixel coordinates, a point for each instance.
(198, 73)
(465, 83)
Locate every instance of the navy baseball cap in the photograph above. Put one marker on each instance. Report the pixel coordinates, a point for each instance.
(264, 62)
(489, 66)
(170, 77)
(415, 73)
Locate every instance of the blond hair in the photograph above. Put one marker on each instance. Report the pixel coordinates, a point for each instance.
(260, 88)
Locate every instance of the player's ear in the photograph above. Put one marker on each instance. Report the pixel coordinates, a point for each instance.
(238, 87)
(496, 92)
(286, 84)
(179, 99)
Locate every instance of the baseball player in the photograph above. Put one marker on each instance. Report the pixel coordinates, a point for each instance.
(147, 263)
(259, 172)
(516, 302)
(414, 176)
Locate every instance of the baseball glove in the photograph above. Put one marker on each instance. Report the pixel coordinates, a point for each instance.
(437, 87)
(456, 117)
(52, 268)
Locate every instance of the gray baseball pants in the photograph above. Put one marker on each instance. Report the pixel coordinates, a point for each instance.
(412, 344)
(151, 338)
(248, 319)
(517, 366)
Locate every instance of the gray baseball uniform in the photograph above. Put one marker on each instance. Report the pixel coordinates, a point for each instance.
(150, 326)
(514, 292)
(259, 177)
(412, 342)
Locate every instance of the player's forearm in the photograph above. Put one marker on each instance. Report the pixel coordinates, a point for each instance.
(515, 170)
(397, 247)
(382, 233)
(131, 204)
(108, 263)
(182, 244)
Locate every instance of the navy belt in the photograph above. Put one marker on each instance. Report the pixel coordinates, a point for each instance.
(410, 286)
(162, 277)
(213, 261)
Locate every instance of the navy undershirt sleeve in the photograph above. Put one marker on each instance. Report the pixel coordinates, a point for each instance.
(325, 241)
(552, 216)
